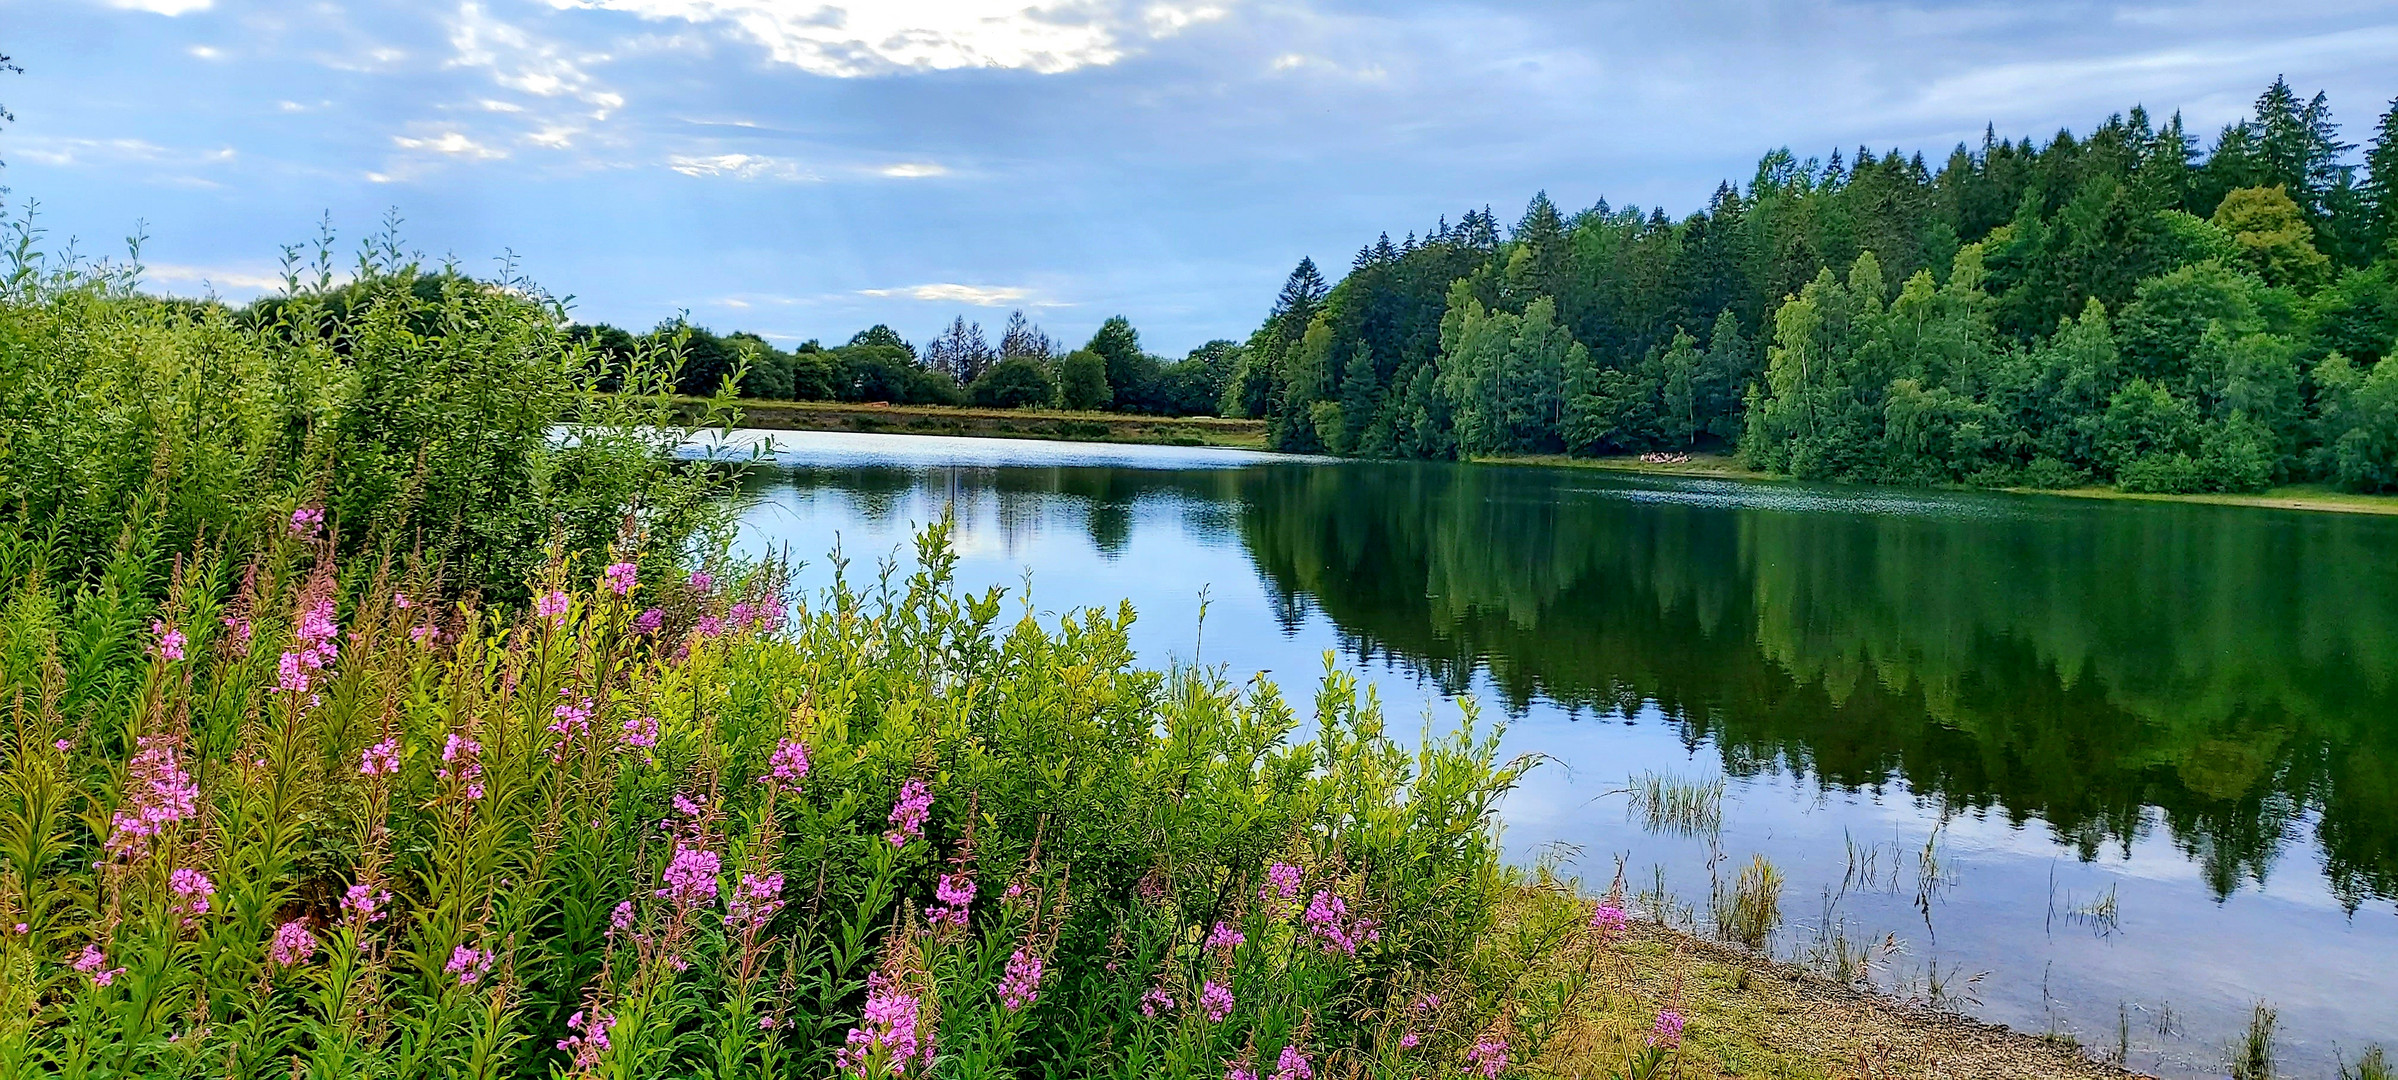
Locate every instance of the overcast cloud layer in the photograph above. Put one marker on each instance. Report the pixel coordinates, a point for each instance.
(803, 169)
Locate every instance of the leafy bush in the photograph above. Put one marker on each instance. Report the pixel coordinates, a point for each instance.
(421, 411)
(665, 825)
(1015, 383)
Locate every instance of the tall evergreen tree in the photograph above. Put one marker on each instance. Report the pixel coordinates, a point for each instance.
(2381, 182)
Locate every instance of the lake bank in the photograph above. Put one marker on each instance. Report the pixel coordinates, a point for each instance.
(1750, 1016)
(1728, 467)
(1049, 424)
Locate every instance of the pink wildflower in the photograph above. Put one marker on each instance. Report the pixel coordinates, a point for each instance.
(400, 600)
(1215, 999)
(1281, 890)
(788, 765)
(94, 963)
(63, 746)
(381, 759)
(649, 621)
(588, 1039)
(170, 641)
(1293, 1065)
(293, 944)
(420, 633)
(462, 762)
(701, 581)
(1409, 1041)
(551, 605)
(1020, 985)
(240, 627)
(1609, 920)
(909, 813)
(192, 889)
(1327, 921)
(469, 964)
(754, 903)
(364, 902)
(1156, 1000)
(621, 919)
(1668, 1032)
(951, 895)
(711, 626)
(888, 1027)
(306, 521)
(1240, 1070)
(1225, 937)
(691, 876)
(158, 793)
(619, 578)
(1488, 1055)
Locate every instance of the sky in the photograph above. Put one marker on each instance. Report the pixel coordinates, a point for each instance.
(805, 168)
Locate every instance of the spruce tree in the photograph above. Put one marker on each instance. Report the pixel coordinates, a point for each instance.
(2380, 188)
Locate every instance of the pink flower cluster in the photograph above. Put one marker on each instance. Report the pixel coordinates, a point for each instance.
(570, 720)
(764, 616)
(1281, 890)
(1156, 1000)
(317, 635)
(1215, 999)
(619, 578)
(293, 944)
(788, 765)
(621, 919)
(754, 903)
(170, 641)
(951, 896)
(888, 1026)
(1328, 921)
(589, 1039)
(1293, 1065)
(306, 521)
(381, 759)
(462, 761)
(1668, 1031)
(1609, 920)
(649, 621)
(691, 876)
(552, 605)
(469, 964)
(192, 891)
(702, 581)
(909, 813)
(94, 963)
(158, 793)
(1224, 937)
(1488, 1056)
(1020, 984)
(1243, 1069)
(365, 903)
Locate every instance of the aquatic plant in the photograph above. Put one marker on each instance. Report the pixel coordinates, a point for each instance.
(1673, 805)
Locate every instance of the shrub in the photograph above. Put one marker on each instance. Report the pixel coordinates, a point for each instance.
(1015, 383)
(666, 825)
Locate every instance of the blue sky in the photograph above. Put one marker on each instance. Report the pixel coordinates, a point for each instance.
(803, 168)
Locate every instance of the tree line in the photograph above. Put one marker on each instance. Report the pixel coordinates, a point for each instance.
(959, 366)
(2117, 307)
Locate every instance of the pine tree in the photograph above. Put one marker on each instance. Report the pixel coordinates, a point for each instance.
(2380, 188)
(1302, 294)
(1023, 340)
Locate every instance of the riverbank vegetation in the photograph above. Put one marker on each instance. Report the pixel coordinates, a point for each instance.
(1018, 423)
(2112, 308)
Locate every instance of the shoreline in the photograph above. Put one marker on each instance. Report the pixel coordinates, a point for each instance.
(1057, 425)
(1725, 467)
(1753, 1016)
(1048, 425)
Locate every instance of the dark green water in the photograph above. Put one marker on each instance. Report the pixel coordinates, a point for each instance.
(2190, 710)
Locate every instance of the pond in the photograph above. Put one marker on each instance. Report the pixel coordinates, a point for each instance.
(2107, 769)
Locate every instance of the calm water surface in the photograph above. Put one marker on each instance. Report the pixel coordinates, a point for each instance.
(2152, 749)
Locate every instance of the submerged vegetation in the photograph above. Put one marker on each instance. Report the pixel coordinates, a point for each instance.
(2114, 308)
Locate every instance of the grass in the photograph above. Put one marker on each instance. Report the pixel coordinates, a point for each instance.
(1666, 804)
(1003, 423)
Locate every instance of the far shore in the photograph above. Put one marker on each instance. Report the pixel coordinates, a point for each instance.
(1069, 426)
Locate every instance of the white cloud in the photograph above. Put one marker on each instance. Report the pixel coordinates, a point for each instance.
(951, 292)
(452, 143)
(164, 7)
(910, 170)
(215, 277)
(520, 62)
(738, 167)
(207, 52)
(876, 37)
(68, 152)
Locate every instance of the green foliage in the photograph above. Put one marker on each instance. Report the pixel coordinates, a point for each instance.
(1877, 320)
(421, 412)
(1082, 381)
(435, 848)
(1015, 383)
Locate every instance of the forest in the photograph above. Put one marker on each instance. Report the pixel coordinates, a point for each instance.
(2116, 307)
